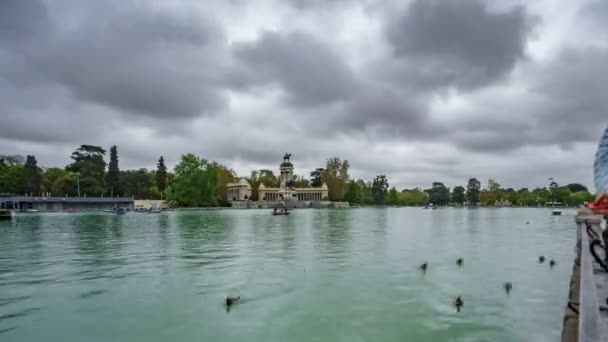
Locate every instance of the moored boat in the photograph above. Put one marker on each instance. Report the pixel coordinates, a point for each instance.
(5, 214)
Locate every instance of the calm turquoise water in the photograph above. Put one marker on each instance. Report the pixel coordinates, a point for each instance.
(317, 275)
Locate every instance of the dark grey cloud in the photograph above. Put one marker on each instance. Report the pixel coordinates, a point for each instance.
(307, 69)
(424, 90)
(158, 63)
(457, 43)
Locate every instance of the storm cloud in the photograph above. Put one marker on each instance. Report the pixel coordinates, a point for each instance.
(421, 90)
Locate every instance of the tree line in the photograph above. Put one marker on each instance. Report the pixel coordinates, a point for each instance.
(196, 181)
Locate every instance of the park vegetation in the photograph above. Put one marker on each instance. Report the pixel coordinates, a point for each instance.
(196, 182)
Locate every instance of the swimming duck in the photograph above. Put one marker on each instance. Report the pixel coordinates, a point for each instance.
(541, 259)
(459, 262)
(424, 266)
(458, 303)
(231, 301)
(552, 263)
(508, 286)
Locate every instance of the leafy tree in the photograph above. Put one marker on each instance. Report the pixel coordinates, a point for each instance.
(580, 198)
(413, 197)
(367, 197)
(32, 176)
(354, 193)
(491, 193)
(89, 163)
(316, 178)
(393, 197)
(12, 179)
(473, 188)
(336, 177)
(113, 175)
(576, 187)
(65, 185)
(225, 176)
(161, 175)
(458, 195)
(562, 194)
(552, 189)
(379, 189)
(439, 194)
(196, 182)
(301, 182)
(51, 175)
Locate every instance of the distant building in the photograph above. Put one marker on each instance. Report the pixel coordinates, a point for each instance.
(600, 166)
(285, 193)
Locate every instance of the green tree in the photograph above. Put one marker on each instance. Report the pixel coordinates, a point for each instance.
(32, 176)
(301, 182)
(473, 188)
(576, 187)
(562, 194)
(12, 179)
(65, 185)
(51, 175)
(580, 198)
(316, 178)
(336, 177)
(196, 182)
(553, 189)
(113, 175)
(458, 195)
(90, 165)
(226, 176)
(161, 176)
(137, 184)
(379, 189)
(392, 197)
(354, 193)
(413, 197)
(439, 194)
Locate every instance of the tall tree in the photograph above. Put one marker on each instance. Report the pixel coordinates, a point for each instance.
(316, 179)
(196, 182)
(12, 179)
(336, 177)
(354, 193)
(413, 197)
(379, 189)
(89, 167)
(473, 188)
(458, 195)
(392, 198)
(113, 175)
(161, 176)
(32, 176)
(553, 189)
(439, 194)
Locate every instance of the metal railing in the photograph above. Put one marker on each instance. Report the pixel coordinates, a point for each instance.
(589, 320)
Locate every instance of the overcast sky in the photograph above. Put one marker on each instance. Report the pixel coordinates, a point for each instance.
(421, 91)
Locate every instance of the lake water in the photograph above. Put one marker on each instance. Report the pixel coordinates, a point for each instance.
(317, 275)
